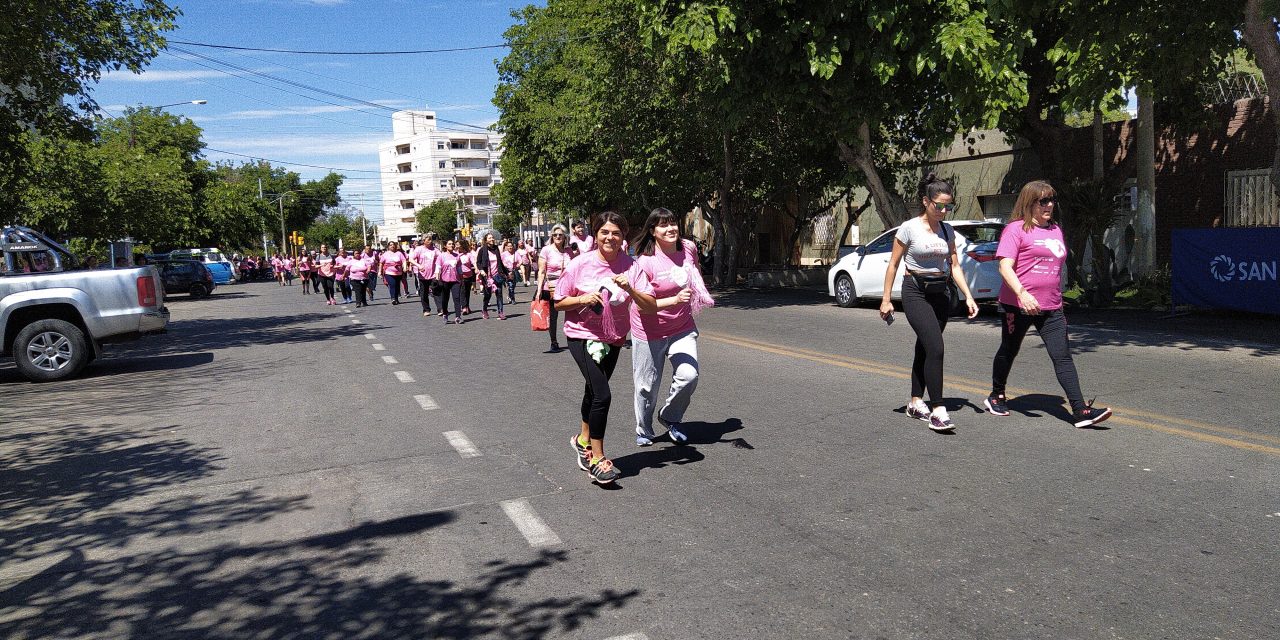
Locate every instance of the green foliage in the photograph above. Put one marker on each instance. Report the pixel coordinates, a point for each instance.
(507, 224)
(439, 218)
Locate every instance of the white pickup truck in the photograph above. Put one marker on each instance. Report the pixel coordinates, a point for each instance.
(55, 314)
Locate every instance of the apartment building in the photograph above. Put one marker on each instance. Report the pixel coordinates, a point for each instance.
(423, 163)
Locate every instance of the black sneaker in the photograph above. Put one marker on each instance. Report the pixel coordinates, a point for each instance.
(1090, 415)
(584, 454)
(603, 471)
(996, 405)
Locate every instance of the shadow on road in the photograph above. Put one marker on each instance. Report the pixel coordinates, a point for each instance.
(663, 454)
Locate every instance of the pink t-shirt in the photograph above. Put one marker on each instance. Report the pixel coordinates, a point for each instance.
(288, 264)
(340, 267)
(447, 264)
(304, 264)
(425, 261)
(584, 276)
(466, 264)
(324, 265)
(494, 258)
(510, 260)
(1038, 256)
(358, 267)
(555, 260)
(391, 261)
(584, 244)
(522, 256)
(660, 270)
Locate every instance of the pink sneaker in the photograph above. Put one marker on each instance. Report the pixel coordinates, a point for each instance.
(502, 316)
(485, 315)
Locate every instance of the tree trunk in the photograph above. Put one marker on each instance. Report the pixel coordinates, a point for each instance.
(1099, 161)
(1260, 36)
(889, 205)
(728, 214)
(851, 218)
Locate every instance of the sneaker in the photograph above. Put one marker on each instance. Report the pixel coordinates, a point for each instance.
(940, 421)
(996, 405)
(673, 431)
(603, 471)
(502, 316)
(485, 314)
(919, 411)
(643, 439)
(1090, 415)
(584, 453)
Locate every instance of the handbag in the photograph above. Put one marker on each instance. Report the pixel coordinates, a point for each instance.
(540, 315)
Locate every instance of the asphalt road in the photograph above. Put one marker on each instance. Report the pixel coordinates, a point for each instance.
(277, 468)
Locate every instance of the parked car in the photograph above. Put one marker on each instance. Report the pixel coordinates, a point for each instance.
(186, 276)
(860, 274)
(55, 315)
(224, 272)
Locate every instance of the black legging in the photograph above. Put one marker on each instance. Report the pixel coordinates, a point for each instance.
(450, 290)
(596, 395)
(315, 282)
(344, 286)
(360, 298)
(1052, 327)
(327, 283)
(555, 317)
(468, 283)
(927, 315)
(424, 292)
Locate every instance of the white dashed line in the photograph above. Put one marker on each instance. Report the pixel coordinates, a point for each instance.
(527, 521)
(346, 311)
(354, 321)
(403, 376)
(462, 444)
(426, 402)
(378, 347)
(630, 636)
(390, 360)
(370, 336)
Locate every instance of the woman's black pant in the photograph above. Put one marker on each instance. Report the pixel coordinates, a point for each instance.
(327, 283)
(596, 395)
(344, 285)
(468, 283)
(1052, 327)
(555, 317)
(927, 315)
(450, 290)
(360, 285)
(424, 293)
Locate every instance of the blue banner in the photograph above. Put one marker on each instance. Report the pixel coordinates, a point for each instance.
(1227, 268)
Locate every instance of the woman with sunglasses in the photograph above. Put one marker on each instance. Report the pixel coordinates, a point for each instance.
(1032, 253)
(927, 246)
(551, 263)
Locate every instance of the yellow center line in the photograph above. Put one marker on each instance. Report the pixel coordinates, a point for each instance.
(973, 386)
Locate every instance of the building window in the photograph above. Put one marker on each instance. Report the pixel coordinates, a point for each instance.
(402, 149)
(479, 144)
(405, 167)
(480, 182)
(457, 144)
(463, 182)
(444, 184)
(482, 201)
(406, 186)
(440, 144)
(494, 165)
(443, 163)
(406, 204)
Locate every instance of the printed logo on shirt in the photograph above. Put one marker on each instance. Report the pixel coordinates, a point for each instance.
(1054, 246)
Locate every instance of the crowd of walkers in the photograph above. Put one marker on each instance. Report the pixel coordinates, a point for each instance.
(614, 291)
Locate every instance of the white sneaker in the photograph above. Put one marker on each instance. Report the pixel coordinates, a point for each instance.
(918, 410)
(643, 439)
(940, 421)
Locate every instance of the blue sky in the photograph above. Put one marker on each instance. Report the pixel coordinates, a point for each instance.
(264, 118)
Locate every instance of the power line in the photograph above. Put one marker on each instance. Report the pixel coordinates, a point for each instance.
(342, 53)
(295, 164)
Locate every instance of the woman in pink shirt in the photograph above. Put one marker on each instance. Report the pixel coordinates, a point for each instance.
(341, 270)
(391, 266)
(522, 256)
(357, 273)
(326, 270)
(423, 259)
(1033, 255)
(512, 263)
(287, 266)
(466, 273)
(669, 265)
(447, 263)
(304, 271)
(595, 293)
(551, 263)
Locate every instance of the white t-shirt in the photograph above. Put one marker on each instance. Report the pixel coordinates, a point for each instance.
(926, 251)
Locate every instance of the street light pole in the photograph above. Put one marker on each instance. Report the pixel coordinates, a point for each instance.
(174, 104)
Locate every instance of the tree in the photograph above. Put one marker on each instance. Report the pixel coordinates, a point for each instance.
(1260, 33)
(439, 218)
(54, 50)
(508, 224)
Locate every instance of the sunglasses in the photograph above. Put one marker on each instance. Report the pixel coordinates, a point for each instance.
(1044, 202)
(557, 235)
(945, 208)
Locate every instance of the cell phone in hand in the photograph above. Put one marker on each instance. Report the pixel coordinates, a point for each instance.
(888, 320)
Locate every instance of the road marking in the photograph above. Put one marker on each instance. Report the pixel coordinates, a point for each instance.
(630, 636)
(403, 376)
(981, 388)
(426, 402)
(346, 311)
(354, 321)
(462, 444)
(370, 336)
(390, 360)
(378, 347)
(530, 525)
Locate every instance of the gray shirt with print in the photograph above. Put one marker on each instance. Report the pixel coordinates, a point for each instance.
(926, 251)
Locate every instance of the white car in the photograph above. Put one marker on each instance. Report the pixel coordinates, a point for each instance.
(860, 275)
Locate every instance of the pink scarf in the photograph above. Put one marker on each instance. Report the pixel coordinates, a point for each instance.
(701, 298)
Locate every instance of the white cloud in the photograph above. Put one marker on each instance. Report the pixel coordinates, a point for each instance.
(359, 149)
(164, 76)
(262, 114)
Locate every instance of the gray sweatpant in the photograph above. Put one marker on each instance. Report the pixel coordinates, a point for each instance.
(647, 360)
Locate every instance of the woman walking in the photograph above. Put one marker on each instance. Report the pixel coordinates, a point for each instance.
(493, 274)
(358, 268)
(927, 246)
(340, 275)
(423, 259)
(551, 263)
(512, 263)
(304, 271)
(595, 293)
(326, 270)
(466, 273)
(371, 280)
(391, 266)
(665, 329)
(1032, 253)
(447, 274)
(522, 257)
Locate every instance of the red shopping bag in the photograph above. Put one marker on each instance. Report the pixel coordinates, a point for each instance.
(539, 315)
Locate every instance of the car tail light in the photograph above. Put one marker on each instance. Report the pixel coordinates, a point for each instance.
(980, 256)
(146, 292)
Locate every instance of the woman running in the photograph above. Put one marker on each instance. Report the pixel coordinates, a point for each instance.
(551, 263)
(595, 292)
(391, 267)
(493, 274)
(1032, 253)
(512, 263)
(665, 329)
(933, 266)
(326, 269)
(447, 263)
(358, 268)
(371, 280)
(341, 270)
(423, 259)
(304, 271)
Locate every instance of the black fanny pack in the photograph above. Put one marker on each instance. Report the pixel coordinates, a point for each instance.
(929, 283)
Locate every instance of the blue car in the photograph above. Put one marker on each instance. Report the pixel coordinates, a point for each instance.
(217, 264)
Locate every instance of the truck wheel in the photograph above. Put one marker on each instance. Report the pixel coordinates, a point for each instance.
(199, 291)
(48, 350)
